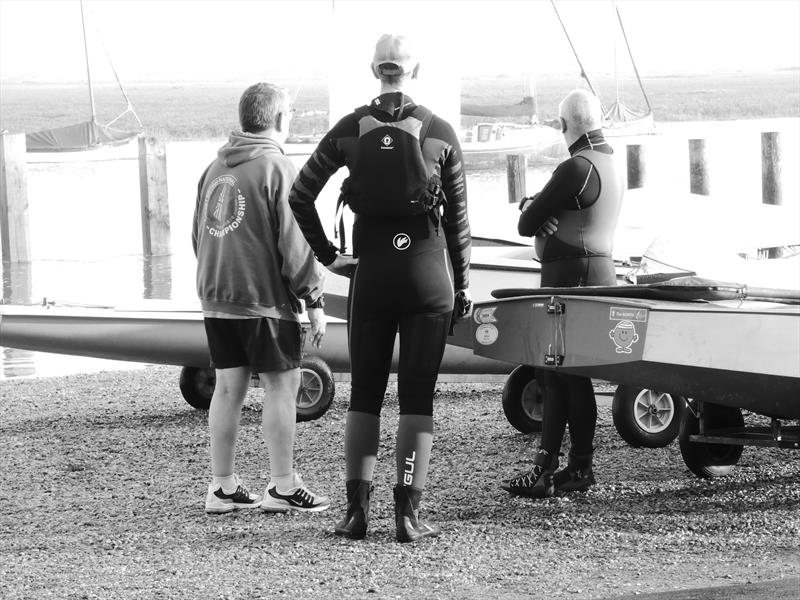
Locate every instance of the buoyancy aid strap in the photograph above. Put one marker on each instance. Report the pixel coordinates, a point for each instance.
(338, 224)
(427, 119)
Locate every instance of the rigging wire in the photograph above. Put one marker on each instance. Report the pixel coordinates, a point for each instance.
(577, 58)
(129, 106)
(633, 62)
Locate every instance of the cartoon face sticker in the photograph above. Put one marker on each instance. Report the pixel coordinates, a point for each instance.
(624, 336)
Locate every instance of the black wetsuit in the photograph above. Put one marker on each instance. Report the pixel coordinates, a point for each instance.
(407, 271)
(585, 195)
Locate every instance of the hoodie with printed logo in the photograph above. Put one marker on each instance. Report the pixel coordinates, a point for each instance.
(252, 258)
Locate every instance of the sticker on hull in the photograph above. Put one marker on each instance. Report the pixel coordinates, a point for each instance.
(486, 334)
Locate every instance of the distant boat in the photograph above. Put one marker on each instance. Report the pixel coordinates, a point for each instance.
(87, 135)
(619, 119)
(489, 143)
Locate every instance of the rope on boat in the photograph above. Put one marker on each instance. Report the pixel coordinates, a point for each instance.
(54, 304)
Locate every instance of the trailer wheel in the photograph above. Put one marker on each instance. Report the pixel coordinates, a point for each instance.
(317, 389)
(314, 397)
(197, 386)
(645, 417)
(522, 400)
(704, 459)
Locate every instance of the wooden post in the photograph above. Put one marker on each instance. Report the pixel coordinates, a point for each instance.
(636, 166)
(698, 168)
(18, 282)
(517, 168)
(14, 229)
(157, 277)
(771, 192)
(154, 199)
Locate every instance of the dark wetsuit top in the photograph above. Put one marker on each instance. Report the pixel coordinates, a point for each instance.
(407, 271)
(585, 195)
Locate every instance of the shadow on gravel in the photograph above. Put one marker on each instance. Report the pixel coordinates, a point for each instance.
(786, 589)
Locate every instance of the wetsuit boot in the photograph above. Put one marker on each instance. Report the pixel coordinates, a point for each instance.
(354, 523)
(538, 482)
(406, 515)
(577, 476)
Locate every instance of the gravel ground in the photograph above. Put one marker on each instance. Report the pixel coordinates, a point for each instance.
(104, 475)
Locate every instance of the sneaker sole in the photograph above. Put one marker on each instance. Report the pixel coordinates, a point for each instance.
(222, 510)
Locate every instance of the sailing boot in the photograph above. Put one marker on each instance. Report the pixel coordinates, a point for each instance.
(538, 482)
(577, 476)
(354, 523)
(406, 515)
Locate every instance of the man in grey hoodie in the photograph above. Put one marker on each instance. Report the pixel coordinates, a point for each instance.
(253, 269)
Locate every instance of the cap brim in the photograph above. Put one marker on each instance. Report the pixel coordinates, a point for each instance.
(389, 68)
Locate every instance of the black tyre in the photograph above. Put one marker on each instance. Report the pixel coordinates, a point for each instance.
(645, 417)
(314, 397)
(197, 386)
(704, 459)
(522, 400)
(317, 389)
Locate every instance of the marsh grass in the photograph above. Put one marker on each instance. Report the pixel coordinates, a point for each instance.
(205, 111)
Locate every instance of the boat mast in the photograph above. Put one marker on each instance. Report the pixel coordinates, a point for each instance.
(616, 63)
(88, 70)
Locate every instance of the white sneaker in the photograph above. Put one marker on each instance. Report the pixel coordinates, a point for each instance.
(218, 502)
(300, 498)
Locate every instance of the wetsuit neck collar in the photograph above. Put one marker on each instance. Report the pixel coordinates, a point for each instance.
(588, 141)
(395, 104)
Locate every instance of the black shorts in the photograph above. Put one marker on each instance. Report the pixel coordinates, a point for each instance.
(263, 344)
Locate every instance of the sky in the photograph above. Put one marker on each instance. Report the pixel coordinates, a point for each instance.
(220, 41)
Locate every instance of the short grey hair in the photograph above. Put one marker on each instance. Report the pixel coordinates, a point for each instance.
(581, 110)
(260, 105)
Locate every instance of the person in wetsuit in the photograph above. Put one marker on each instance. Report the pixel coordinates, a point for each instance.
(406, 272)
(573, 218)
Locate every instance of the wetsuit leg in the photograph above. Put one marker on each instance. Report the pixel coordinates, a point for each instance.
(582, 413)
(371, 346)
(555, 410)
(567, 398)
(422, 342)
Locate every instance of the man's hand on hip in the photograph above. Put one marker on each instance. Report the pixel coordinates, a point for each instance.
(318, 323)
(343, 264)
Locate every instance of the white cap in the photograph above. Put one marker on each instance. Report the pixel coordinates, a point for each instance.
(394, 55)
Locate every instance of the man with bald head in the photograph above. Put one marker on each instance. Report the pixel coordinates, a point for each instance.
(573, 220)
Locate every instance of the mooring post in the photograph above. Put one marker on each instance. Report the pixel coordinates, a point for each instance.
(154, 199)
(698, 168)
(636, 166)
(771, 192)
(517, 167)
(14, 228)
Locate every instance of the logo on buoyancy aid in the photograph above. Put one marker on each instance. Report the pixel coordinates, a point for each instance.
(401, 241)
(387, 143)
(225, 206)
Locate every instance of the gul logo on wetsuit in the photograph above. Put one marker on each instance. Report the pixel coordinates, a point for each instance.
(225, 206)
(401, 241)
